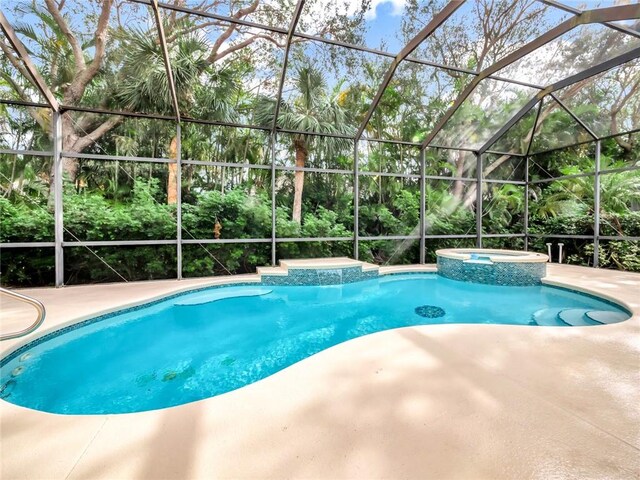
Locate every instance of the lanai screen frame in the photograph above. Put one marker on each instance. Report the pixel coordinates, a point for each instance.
(604, 16)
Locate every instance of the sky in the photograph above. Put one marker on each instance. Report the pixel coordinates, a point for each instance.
(385, 24)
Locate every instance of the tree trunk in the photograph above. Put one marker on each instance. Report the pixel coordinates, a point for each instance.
(172, 179)
(301, 158)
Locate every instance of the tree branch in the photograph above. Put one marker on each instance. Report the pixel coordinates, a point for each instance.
(244, 44)
(83, 77)
(83, 142)
(78, 55)
(218, 43)
(243, 12)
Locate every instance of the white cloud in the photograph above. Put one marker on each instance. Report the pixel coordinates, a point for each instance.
(318, 10)
(398, 8)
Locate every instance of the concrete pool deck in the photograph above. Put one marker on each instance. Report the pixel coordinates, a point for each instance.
(440, 401)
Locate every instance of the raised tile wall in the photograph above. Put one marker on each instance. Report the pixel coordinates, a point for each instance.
(499, 273)
(319, 276)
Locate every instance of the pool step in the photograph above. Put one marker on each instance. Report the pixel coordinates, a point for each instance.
(326, 264)
(214, 295)
(576, 317)
(547, 317)
(606, 316)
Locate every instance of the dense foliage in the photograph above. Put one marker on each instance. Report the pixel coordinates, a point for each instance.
(235, 203)
(105, 54)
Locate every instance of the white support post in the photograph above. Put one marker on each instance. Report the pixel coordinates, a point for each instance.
(57, 198)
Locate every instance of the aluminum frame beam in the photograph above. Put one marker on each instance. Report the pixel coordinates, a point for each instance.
(119, 113)
(408, 49)
(621, 12)
(574, 116)
(503, 235)
(274, 125)
(356, 201)
(27, 153)
(560, 235)
(576, 11)
(283, 73)
(533, 134)
(167, 61)
(596, 207)
(22, 103)
(27, 245)
(423, 196)
(586, 174)
(117, 243)
(20, 49)
(525, 219)
(462, 235)
(564, 177)
(179, 200)
(56, 126)
(373, 238)
(479, 207)
(121, 158)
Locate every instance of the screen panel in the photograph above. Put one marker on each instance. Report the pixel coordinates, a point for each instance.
(481, 32)
(489, 106)
(577, 50)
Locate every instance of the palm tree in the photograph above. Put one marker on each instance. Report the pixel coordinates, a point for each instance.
(619, 193)
(145, 86)
(315, 110)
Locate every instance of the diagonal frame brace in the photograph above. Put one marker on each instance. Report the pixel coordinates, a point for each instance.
(575, 11)
(28, 63)
(574, 116)
(622, 12)
(283, 73)
(165, 56)
(578, 77)
(414, 43)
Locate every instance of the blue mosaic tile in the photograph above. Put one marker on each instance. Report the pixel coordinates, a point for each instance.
(320, 276)
(499, 273)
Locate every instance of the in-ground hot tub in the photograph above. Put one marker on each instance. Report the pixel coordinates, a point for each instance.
(493, 267)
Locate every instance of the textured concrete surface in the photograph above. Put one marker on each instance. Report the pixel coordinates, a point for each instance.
(444, 401)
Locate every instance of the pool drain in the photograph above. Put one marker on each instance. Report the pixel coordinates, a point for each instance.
(430, 311)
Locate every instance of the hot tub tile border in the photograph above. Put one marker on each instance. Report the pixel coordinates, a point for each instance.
(500, 273)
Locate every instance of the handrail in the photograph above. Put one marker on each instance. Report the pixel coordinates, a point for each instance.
(31, 301)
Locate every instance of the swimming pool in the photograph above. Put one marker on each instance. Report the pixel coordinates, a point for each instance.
(197, 345)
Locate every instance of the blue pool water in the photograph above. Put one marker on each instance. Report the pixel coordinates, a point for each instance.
(201, 344)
